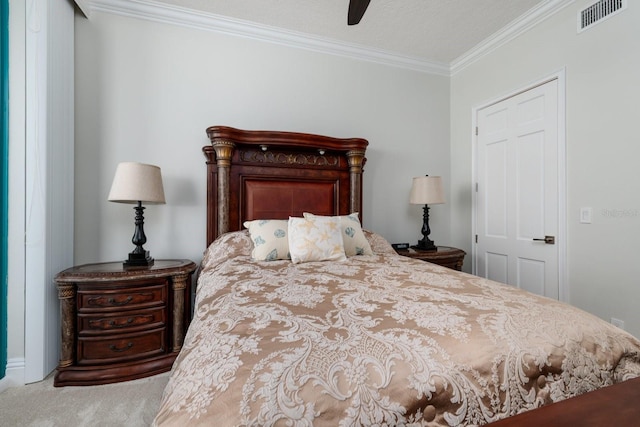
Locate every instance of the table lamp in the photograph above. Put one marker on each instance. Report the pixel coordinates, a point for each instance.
(426, 190)
(137, 183)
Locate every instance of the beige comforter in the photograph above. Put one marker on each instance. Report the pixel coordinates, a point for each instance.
(377, 340)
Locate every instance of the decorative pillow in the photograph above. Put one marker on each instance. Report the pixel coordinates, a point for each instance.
(269, 237)
(355, 242)
(315, 239)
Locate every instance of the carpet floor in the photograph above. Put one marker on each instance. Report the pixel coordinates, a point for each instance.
(130, 404)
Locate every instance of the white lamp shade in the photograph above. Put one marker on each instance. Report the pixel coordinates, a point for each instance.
(134, 182)
(426, 190)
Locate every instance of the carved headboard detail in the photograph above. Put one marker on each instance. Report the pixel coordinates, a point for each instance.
(269, 174)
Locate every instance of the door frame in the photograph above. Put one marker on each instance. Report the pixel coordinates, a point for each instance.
(561, 241)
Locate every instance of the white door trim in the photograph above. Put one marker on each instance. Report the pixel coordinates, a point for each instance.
(48, 176)
(561, 241)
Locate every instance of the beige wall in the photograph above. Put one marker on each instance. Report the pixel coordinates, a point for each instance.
(602, 66)
(147, 91)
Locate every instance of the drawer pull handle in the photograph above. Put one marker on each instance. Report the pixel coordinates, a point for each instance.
(121, 325)
(112, 347)
(113, 301)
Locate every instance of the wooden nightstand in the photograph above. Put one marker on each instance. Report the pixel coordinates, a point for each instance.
(121, 324)
(444, 255)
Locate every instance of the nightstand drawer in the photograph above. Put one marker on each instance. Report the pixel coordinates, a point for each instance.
(117, 299)
(120, 348)
(91, 324)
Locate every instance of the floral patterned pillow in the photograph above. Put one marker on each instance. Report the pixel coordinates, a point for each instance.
(355, 242)
(315, 239)
(270, 239)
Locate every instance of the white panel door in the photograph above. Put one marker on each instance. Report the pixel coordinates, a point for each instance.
(517, 212)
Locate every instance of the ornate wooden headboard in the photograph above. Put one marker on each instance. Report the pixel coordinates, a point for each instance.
(274, 175)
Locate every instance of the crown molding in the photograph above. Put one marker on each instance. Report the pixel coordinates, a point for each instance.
(524, 23)
(169, 14)
(83, 7)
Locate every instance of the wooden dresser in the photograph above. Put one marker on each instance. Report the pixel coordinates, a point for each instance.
(443, 255)
(121, 323)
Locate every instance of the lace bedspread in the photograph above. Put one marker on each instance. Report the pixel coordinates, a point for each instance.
(377, 340)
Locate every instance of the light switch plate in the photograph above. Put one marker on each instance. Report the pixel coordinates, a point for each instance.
(585, 215)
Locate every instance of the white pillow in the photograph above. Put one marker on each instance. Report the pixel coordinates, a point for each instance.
(355, 242)
(315, 239)
(270, 239)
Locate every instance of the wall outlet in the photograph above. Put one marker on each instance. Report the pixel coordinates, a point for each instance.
(617, 322)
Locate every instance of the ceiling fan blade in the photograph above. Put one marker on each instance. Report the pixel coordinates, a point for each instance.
(356, 11)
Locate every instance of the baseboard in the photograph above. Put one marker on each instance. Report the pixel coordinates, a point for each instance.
(14, 375)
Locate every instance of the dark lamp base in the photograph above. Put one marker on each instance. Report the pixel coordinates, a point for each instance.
(139, 260)
(425, 246)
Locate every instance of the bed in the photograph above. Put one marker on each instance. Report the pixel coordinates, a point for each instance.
(304, 335)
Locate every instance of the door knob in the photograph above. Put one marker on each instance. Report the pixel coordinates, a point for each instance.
(549, 240)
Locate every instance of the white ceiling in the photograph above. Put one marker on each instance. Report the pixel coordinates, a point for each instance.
(435, 31)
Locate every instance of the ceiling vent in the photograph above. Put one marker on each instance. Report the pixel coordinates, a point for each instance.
(598, 12)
